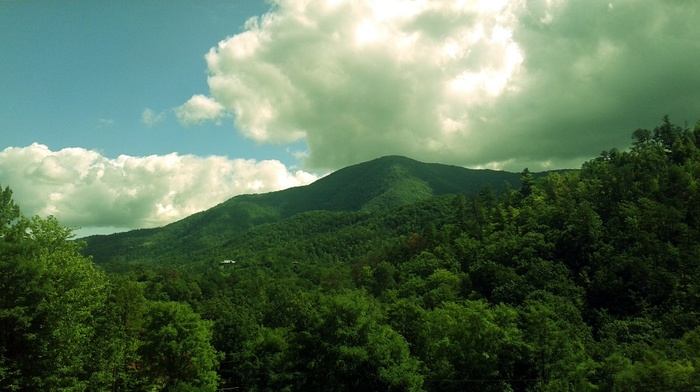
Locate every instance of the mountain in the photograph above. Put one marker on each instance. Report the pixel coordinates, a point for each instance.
(378, 185)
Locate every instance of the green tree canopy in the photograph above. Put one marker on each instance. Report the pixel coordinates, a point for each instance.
(176, 352)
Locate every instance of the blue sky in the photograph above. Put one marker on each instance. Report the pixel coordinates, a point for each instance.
(124, 115)
(81, 74)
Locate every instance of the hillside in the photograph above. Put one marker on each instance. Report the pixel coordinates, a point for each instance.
(583, 280)
(378, 185)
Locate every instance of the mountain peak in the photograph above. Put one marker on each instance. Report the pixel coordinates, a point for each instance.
(377, 185)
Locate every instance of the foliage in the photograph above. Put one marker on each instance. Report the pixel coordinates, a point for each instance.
(50, 311)
(578, 280)
(176, 352)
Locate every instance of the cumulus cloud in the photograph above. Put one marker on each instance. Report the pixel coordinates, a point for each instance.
(83, 188)
(197, 109)
(151, 118)
(503, 84)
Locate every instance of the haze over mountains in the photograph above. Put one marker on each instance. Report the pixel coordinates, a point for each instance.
(378, 185)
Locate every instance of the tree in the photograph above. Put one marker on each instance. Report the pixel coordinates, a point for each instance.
(667, 133)
(472, 345)
(342, 338)
(235, 328)
(9, 211)
(126, 311)
(176, 352)
(53, 299)
(527, 181)
(557, 338)
(641, 137)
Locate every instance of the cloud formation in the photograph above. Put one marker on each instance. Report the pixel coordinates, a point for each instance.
(503, 84)
(151, 118)
(83, 188)
(197, 109)
(104, 122)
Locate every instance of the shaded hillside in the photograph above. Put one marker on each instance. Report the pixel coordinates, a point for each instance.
(381, 184)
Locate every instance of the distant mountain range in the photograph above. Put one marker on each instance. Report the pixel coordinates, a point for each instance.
(379, 185)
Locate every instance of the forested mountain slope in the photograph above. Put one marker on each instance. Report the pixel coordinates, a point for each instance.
(584, 280)
(378, 185)
(577, 281)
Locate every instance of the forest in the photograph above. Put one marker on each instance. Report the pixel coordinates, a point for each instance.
(581, 280)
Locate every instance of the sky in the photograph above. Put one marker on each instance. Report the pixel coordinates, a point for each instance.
(125, 115)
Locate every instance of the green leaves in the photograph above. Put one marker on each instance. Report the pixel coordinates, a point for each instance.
(176, 348)
(52, 300)
(581, 280)
(557, 340)
(343, 337)
(9, 211)
(471, 345)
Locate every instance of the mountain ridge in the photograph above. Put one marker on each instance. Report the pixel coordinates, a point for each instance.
(377, 185)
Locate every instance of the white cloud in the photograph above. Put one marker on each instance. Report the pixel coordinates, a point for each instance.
(507, 83)
(104, 122)
(83, 188)
(197, 109)
(151, 118)
(358, 79)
